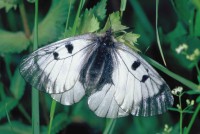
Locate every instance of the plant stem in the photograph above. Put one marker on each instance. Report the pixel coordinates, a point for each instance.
(181, 116)
(157, 34)
(109, 126)
(24, 112)
(24, 19)
(197, 67)
(122, 7)
(193, 119)
(53, 107)
(77, 16)
(69, 11)
(35, 93)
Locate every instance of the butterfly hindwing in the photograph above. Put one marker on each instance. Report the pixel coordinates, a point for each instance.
(55, 68)
(104, 104)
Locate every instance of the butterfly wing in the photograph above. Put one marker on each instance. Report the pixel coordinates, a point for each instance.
(55, 68)
(137, 89)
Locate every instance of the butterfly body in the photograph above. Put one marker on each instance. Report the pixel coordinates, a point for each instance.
(116, 79)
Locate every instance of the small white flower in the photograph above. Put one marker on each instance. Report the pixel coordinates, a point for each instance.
(188, 101)
(192, 102)
(178, 106)
(194, 55)
(177, 91)
(181, 48)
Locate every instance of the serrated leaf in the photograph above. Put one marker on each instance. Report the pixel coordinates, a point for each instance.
(17, 85)
(16, 128)
(8, 4)
(11, 42)
(7, 104)
(52, 26)
(129, 39)
(88, 23)
(114, 23)
(100, 10)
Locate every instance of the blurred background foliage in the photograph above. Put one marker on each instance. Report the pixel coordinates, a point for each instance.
(179, 34)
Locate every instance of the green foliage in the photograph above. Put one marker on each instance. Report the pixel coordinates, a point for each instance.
(17, 85)
(8, 4)
(88, 23)
(16, 128)
(52, 26)
(11, 42)
(197, 22)
(114, 23)
(100, 10)
(7, 105)
(180, 44)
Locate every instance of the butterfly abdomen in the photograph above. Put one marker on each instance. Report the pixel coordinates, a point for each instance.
(98, 69)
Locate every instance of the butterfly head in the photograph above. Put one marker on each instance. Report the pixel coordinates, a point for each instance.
(107, 38)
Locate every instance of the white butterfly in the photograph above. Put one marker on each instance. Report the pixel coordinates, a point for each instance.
(116, 79)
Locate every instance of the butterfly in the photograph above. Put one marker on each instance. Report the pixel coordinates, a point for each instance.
(117, 80)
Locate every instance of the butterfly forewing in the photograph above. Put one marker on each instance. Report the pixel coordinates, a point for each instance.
(143, 84)
(55, 68)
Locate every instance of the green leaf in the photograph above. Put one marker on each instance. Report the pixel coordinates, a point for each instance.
(100, 10)
(114, 23)
(198, 99)
(196, 3)
(178, 31)
(17, 85)
(11, 42)
(88, 23)
(8, 4)
(197, 24)
(8, 104)
(52, 26)
(16, 128)
(129, 39)
(182, 9)
(192, 92)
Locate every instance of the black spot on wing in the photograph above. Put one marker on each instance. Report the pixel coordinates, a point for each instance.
(55, 55)
(144, 78)
(69, 48)
(135, 65)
